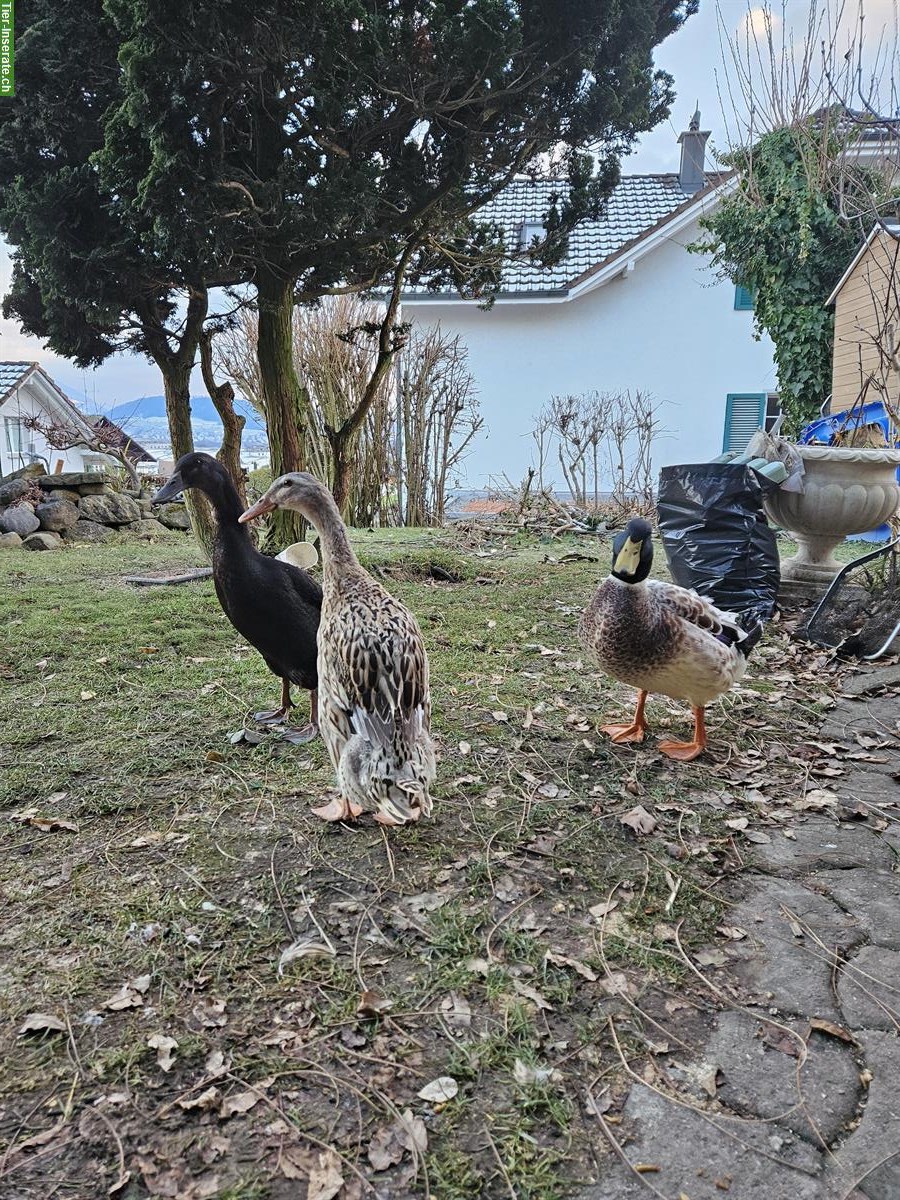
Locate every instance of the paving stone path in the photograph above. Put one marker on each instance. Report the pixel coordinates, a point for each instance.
(805, 1050)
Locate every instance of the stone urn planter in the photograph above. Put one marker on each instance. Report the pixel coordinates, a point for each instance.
(846, 491)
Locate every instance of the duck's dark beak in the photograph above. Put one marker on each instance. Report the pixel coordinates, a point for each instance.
(170, 489)
(257, 510)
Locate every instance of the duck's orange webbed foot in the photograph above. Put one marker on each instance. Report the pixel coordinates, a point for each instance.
(686, 751)
(633, 732)
(337, 809)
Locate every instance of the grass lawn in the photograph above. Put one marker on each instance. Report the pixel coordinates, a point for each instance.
(155, 873)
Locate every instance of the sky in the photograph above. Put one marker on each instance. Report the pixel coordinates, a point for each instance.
(693, 56)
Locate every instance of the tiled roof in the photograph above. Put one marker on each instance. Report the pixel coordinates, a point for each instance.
(11, 374)
(638, 205)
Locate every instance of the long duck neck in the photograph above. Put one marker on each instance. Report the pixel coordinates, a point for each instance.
(226, 503)
(337, 553)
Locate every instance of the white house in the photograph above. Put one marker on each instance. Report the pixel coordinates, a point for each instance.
(27, 391)
(628, 308)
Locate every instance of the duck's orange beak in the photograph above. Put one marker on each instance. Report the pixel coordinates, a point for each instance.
(257, 510)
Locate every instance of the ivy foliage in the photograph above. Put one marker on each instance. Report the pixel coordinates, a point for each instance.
(780, 233)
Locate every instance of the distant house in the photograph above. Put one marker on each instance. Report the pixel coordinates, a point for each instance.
(867, 323)
(628, 308)
(27, 392)
(111, 434)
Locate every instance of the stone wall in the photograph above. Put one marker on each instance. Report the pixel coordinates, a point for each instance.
(44, 512)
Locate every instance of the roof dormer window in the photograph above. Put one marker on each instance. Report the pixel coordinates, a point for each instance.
(530, 231)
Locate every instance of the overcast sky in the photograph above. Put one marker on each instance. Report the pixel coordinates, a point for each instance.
(693, 57)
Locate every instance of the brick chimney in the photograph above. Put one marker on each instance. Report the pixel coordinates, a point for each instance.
(691, 176)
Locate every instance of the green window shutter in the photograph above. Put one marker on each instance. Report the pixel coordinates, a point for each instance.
(743, 299)
(745, 412)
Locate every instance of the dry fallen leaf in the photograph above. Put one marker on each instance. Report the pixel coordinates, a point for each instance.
(325, 1178)
(639, 820)
(456, 1010)
(829, 1027)
(600, 910)
(373, 1004)
(530, 993)
(208, 1014)
(42, 1023)
(240, 1103)
(406, 1135)
(164, 1047)
(562, 960)
(527, 1075)
(129, 995)
(205, 1102)
(31, 816)
(440, 1090)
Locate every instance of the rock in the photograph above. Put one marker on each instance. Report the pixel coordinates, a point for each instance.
(147, 528)
(760, 1078)
(94, 489)
(88, 531)
(9, 541)
(19, 519)
(110, 509)
(145, 506)
(45, 540)
(12, 491)
(868, 988)
(69, 494)
(71, 479)
(174, 516)
(57, 515)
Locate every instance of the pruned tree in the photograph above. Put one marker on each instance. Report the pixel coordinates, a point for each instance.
(438, 411)
(604, 445)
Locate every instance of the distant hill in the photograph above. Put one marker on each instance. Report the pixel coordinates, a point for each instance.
(145, 420)
(202, 409)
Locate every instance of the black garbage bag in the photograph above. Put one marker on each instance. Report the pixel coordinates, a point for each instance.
(716, 537)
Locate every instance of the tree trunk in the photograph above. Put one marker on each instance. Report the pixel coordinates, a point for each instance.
(284, 398)
(177, 387)
(222, 396)
(175, 367)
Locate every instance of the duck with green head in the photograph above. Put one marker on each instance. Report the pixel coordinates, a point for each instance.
(659, 637)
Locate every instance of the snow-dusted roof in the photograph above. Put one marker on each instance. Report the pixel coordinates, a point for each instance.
(638, 206)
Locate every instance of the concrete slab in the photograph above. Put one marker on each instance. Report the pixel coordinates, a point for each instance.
(822, 842)
(871, 895)
(705, 1159)
(870, 1157)
(817, 1100)
(868, 989)
(775, 966)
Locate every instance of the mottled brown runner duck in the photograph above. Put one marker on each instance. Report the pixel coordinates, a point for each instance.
(374, 699)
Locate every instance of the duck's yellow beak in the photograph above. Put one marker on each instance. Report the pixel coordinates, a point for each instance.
(628, 558)
(257, 510)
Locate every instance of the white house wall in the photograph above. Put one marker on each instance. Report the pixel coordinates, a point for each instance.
(668, 327)
(25, 402)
